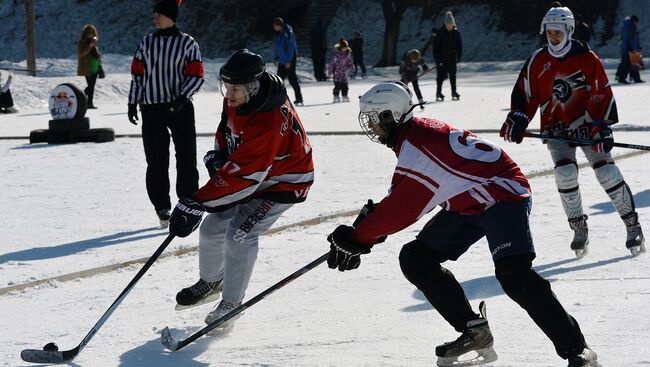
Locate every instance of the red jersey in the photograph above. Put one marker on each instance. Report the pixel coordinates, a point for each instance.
(438, 164)
(269, 156)
(569, 91)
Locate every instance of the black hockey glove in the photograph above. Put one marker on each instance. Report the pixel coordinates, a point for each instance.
(185, 217)
(133, 113)
(603, 137)
(363, 213)
(213, 160)
(176, 106)
(514, 127)
(344, 253)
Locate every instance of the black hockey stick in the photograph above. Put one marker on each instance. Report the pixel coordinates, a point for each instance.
(172, 344)
(583, 141)
(51, 354)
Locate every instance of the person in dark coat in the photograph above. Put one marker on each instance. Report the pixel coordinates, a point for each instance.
(583, 31)
(629, 43)
(410, 69)
(448, 50)
(356, 44)
(318, 43)
(286, 55)
(431, 42)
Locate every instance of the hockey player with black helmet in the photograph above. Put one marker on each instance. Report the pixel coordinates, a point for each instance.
(482, 193)
(567, 82)
(260, 166)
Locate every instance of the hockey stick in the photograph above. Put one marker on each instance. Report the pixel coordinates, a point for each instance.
(51, 354)
(427, 71)
(172, 344)
(583, 141)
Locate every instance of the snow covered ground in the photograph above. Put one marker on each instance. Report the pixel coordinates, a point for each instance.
(75, 207)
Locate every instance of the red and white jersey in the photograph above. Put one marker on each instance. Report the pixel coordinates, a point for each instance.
(441, 165)
(269, 156)
(569, 91)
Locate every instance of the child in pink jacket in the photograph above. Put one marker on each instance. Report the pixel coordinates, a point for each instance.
(339, 67)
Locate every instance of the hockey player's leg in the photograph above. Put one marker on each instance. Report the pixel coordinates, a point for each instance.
(533, 293)
(611, 180)
(241, 247)
(566, 180)
(211, 262)
(421, 266)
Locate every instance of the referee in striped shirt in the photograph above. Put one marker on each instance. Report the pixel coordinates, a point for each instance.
(166, 71)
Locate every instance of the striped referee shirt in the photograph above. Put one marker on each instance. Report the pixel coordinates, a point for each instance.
(166, 65)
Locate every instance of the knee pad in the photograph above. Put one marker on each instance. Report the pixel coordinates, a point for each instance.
(566, 175)
(416, 259)
(518, 279)
(608, 175)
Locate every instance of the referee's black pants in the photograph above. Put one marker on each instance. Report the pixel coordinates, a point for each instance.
(156, 126)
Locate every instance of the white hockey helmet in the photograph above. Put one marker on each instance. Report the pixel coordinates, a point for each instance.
(387, 104)
(557, 17)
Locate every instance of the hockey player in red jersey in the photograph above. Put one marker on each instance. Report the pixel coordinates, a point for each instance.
(260, 166)
(567, 82)
(483, 193)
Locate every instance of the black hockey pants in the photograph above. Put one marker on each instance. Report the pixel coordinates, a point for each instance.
(421, 266)
(156, 127)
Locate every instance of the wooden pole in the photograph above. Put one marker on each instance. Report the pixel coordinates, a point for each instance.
(30, 39)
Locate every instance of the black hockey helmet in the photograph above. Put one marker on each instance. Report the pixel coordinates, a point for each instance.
(242, 67)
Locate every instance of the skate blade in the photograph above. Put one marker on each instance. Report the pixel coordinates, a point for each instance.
(208, 299)
(580, 253)
(480, 357)
(637, 250)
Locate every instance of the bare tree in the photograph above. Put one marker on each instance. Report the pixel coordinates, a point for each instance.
(393, 11)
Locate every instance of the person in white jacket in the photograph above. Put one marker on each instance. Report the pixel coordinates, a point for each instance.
(6, 102)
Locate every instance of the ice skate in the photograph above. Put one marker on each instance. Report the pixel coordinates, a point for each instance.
(163, 218)
(298, 102)
(472, 348)
(440, 97)
(580, 241)
(455, 96)
(198, 294)
(345, 99)
(336, 99)
(587, 358)
(635, 240)
(221, 310)
(422, 102)
(11, 109)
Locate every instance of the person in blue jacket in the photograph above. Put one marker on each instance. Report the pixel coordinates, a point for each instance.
(286, 53)
(629, 43)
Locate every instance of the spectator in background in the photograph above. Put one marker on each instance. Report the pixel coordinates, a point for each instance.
(286, 55)
(6, 102)
(629, 43)
(339, 67)
(166, 72)
(583, 31)
(409, 69)
(448, 50)
(89, 60)
(430, 43)
(318, 42)
(356, 44)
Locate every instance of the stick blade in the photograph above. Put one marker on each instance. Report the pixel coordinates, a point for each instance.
(168, 340)
(42, 356)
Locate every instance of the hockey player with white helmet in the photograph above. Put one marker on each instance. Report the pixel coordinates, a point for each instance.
(483, 193)
(567, 82)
